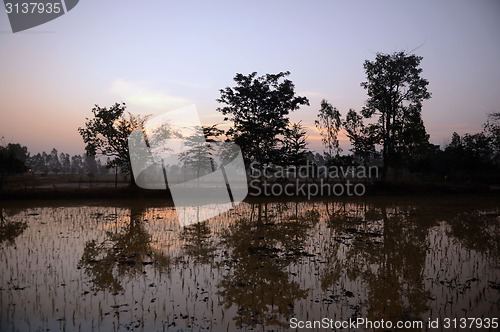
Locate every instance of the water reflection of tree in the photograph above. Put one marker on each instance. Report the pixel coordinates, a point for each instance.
(122, 253)
(198, 242)
(9, 230)
(258, 255)
(477, 231)
(397, 289)
(386, 248)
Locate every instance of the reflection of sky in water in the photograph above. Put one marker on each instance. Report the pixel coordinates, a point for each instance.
(106, 268)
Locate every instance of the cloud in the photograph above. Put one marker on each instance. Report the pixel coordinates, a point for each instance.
(140, 94)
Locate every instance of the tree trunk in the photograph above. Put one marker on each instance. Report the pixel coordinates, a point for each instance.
(385, 160)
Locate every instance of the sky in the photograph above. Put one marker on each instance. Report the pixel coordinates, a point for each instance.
(160, 55)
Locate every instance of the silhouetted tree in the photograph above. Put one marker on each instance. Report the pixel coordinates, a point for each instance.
(259, 106)
(53, 162)
(198, 156)
(90, 164)
(212, 132)
(469, 154)
(65, 161)
(361, 137)
(329, 125)
(492, 131)
(36, 163)
(76, 164)
(477, 152)
(396, 91)
(316, 158)
(107, 134)
(294, 149)
(12, 160)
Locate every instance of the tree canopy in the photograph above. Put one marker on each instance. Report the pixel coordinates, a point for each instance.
(259, 106)
(361, 136)
(329, 125)
(107, 134)
(396, 91)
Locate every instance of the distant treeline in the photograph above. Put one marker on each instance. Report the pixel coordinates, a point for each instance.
(63, 163)
(55, 162)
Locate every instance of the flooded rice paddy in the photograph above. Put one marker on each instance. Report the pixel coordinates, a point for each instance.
(117, 266)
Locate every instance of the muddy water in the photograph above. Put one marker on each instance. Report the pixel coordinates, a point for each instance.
(130, 266)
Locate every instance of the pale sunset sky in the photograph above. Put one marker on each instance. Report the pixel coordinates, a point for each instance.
(160, 55)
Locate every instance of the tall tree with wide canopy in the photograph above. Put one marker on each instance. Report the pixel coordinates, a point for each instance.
(107, 134)
(259, 106)
(396, 91)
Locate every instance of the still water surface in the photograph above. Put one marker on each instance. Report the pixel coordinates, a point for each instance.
(117, 266)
